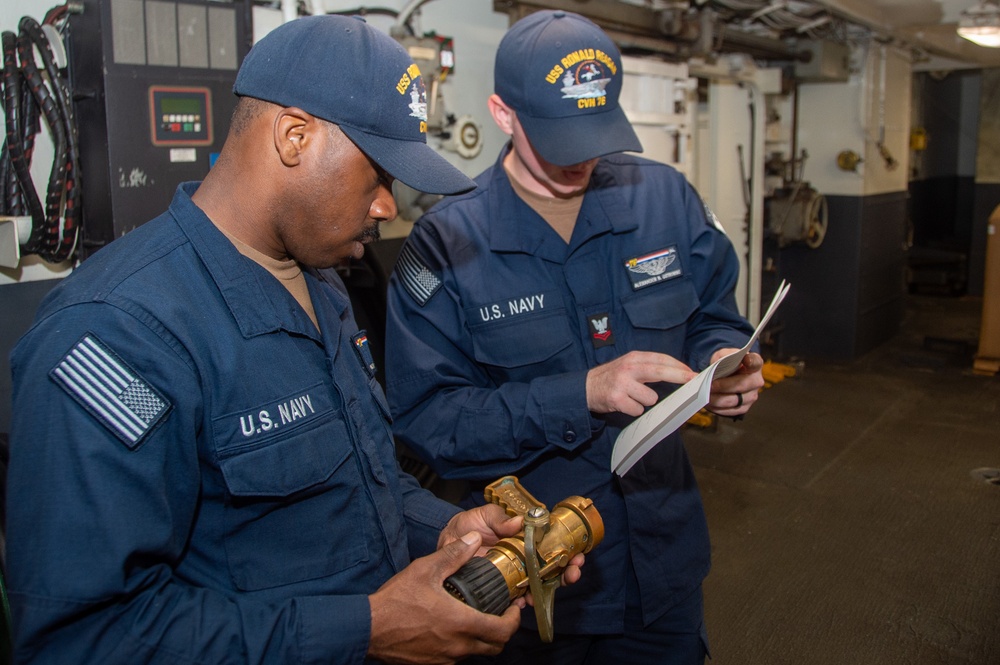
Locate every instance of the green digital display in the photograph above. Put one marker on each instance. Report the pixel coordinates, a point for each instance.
(180, 105)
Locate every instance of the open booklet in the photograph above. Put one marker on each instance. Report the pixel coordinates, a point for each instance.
(676, 408)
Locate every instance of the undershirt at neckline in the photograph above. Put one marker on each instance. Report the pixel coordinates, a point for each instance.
(557, 212)
(288, 272)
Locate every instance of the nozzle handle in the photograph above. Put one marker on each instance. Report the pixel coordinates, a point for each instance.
(509, 494)
(536, 523)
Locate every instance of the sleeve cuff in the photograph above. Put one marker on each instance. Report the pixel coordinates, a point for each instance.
(567, 421)
(426, 515)
(334, 629)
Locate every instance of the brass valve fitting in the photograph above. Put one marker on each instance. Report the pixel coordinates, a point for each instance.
(535, 558)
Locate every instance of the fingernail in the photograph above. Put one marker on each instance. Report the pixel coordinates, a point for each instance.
(470, 538)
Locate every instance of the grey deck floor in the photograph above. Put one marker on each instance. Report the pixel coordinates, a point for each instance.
(848, 522)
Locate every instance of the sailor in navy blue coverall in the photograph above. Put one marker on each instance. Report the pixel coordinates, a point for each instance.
(263, 496)
(497, 333)
(201, 466)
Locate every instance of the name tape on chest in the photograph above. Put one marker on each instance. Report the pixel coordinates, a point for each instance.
(282, 413)
(512, 307)
(110, 390)
(653, 268)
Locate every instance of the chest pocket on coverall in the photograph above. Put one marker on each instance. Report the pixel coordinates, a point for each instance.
(510, 348)
(273, 509)
(658, 314)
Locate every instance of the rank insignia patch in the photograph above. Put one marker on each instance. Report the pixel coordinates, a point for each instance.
(360, 340)
(653, 268)
(417, 278)
(111, 391)
(600, 330)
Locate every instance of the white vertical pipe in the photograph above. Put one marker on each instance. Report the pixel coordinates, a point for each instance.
(289, 10)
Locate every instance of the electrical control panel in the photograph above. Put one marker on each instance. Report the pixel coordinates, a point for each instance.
(180, 116)
(152, 87)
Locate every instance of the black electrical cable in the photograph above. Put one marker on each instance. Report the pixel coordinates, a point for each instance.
(57, 109)
(21, 198)
(29, 92)
(26, 41)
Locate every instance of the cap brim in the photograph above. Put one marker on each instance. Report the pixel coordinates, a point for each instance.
(413, 163)
(575, 139)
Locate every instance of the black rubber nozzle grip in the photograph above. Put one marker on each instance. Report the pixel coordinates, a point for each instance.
(480, 585)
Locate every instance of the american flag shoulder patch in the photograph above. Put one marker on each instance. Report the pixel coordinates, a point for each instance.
(111, 391)
(710, 216)
(420, 282)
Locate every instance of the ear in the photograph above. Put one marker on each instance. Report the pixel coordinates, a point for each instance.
(292, 133)
(502, 114)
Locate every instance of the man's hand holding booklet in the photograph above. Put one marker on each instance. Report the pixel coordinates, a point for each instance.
(675, 409)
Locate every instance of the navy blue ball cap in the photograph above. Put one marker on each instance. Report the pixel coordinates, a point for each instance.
(562, 75)
(342, 70)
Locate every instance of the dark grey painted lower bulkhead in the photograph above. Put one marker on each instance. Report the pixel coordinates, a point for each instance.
(847, 294)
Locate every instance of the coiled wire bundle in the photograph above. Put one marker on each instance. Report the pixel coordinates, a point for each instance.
(29, 94)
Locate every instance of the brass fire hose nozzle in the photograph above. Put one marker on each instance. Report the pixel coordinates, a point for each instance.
(533, 559)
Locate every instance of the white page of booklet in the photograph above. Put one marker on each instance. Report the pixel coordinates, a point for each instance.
(677, 408)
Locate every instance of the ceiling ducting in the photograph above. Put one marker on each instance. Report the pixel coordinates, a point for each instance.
(770, 30)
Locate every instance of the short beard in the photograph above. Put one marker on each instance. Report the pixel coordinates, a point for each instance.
(371, 234)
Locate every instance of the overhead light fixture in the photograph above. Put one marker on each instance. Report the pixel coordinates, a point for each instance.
(981, 24)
